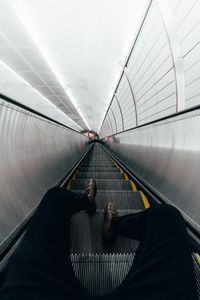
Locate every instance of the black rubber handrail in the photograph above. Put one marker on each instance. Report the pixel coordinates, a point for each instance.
(16, 103)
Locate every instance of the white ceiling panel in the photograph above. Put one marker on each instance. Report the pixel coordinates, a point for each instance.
(32, 78)
(76, 48)
(16, 88)
(19, 52)
(10, 57)
(3, 41)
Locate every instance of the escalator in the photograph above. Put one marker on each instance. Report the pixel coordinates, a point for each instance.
(98, 270)
(101, 271)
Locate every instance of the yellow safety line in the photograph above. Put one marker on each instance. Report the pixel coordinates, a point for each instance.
(121, 171)
(133, 186)
(115, 163)
(69, 185)
(197, 257)
(126, 177)
(145, 200)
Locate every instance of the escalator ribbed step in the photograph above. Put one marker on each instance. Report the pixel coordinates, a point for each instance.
(102, 184)
(99, 169)
(97, 163)
(98, 271)
(197, 275)
(86, 235)
(100, 175)
(122, 199)
(101, 274)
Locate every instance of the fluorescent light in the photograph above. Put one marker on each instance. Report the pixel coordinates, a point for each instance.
(34, 34)
(28, 84)
(68, 92)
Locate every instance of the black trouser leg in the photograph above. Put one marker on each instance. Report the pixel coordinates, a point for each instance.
(41, 268)
(163, 268)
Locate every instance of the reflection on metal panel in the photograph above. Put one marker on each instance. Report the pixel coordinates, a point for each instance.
(34, 154)
(167, 156)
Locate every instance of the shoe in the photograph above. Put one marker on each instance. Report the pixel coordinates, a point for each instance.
(109, 215)
(91, 190)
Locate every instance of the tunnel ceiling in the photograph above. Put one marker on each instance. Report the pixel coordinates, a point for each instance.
(71, 53)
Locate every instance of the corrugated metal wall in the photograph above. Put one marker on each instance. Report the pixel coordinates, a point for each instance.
(166, 155)
(34, 154)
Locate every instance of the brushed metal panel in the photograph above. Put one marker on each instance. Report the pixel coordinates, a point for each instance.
(167, 156)
(34, 154)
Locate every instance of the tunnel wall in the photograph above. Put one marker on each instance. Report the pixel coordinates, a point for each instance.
(162, 73)
(34, 154)
(165, 155)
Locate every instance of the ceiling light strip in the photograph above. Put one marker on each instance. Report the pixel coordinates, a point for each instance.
(35, 90)
(45, 55)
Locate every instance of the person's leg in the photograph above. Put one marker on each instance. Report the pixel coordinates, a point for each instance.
(163, 267)
(41, 266)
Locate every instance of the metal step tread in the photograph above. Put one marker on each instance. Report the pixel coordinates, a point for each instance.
(95, 164)
(123, 199)
(86, 234)
(102, 273)
(98, 169)
(103, 184)
(99, 175)
(197, 275)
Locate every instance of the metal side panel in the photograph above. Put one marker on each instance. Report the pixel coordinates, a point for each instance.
(166, 155)
(35, 153)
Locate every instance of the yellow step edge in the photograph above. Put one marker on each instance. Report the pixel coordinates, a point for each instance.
(121, 171)
(126, 177)
(118, 167)
(145, 200)
(197, 257)
(133, 186)
(69, 185)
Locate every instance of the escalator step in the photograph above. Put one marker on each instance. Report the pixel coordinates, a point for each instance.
(98, 271)
(86, 235)
(197, 275)
(100, 175)
(98, 169)
(122, 199)
(102, 184)
(102, 273)
(98, 163)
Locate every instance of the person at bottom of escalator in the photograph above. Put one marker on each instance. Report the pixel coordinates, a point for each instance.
(163, 266)
(41, 268)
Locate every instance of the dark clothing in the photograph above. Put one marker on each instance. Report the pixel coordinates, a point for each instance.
(40, 268)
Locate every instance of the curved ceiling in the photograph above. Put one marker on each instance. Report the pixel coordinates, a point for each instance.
(71, 51)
